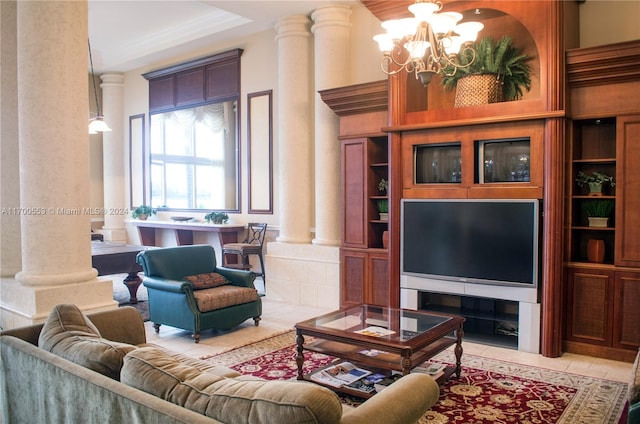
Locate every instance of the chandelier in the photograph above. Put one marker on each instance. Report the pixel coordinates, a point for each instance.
(428, 43)
(96, 124)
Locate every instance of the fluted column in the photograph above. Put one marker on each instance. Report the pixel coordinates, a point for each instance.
(295, 129)
(10, 257)
(54, 168)
(331, 31)
(113, 152)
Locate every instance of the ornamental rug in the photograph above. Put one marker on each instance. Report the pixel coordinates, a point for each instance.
(488, 391)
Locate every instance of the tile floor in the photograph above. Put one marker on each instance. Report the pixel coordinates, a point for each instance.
(279, 317)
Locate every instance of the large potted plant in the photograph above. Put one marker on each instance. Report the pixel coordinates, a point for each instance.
(498, 71)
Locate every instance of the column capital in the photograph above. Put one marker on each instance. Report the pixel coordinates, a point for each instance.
(292, 26)
(112, 79)
(331, 16)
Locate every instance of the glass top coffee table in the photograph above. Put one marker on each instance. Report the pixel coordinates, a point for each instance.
(402, 339)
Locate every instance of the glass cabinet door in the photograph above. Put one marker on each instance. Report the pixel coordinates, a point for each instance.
(438, 163)
(502, 161)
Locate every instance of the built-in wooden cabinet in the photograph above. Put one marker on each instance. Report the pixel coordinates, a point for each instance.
(364, 149)
(364, 270)
(603, 290)
(602, 294)
(364, 166)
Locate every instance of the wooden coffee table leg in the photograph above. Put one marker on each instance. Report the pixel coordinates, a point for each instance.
(299, 354)
(458, 350)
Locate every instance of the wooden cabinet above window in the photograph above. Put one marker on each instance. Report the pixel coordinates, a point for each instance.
(210, 79)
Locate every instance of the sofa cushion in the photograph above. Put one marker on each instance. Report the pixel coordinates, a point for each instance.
(69, 334)
(229, 399)
(224, 296)
(207, 280)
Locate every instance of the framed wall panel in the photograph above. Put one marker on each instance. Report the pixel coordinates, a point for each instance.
(260, 156)
(137, 167)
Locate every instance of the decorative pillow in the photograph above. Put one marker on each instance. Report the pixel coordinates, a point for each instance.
(207, 280)
(69, 334)
(230, 400)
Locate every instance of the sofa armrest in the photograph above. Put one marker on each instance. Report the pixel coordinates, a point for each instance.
(405, 401)
(238, 277)
(122, 325)
(164, 284)
(29, 334)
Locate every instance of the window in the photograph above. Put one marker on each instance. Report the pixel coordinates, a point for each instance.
(194, 156)
(193, 159)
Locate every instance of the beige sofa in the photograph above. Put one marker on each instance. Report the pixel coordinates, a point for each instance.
(39, 386)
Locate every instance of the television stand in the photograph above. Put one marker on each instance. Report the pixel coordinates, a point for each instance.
(491, 318)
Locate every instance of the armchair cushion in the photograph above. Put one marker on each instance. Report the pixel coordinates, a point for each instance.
(207, 280)
(69, 334)
(224, 296)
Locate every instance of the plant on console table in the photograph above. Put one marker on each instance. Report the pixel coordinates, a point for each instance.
(596, 181)
(498, 70)
(598, 211)
(217, 217)
(143, 212)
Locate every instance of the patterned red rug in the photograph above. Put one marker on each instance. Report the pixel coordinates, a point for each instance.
(488, 391)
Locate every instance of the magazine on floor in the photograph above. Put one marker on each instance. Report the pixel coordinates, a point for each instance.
(432, 369)
(339, 374)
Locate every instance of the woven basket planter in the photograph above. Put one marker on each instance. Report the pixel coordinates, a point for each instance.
(478, 89)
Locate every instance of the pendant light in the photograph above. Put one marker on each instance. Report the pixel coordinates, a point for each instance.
(96, 124)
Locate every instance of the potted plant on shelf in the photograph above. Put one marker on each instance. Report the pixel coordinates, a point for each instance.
(383, 209)
(497, 72)
(142, 212)
(595, 181)
(217, 217)
(383, 204)
(598, 211)
(383, 186)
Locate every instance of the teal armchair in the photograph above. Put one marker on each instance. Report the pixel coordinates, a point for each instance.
(173, 275)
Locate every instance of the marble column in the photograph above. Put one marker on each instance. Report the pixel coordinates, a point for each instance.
(299, 272)
(331, 31)
(10, 253)
(54, 168)
(113, 152)
(295, 129)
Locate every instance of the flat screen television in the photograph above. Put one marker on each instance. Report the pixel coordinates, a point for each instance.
(471, 241)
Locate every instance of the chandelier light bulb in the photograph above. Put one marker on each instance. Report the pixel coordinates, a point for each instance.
(445, 22)
(468, 31)
(423, 11)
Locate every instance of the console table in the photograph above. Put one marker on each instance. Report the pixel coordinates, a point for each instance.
(227, 233)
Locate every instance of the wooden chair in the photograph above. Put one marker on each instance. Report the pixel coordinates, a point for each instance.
(251, 245)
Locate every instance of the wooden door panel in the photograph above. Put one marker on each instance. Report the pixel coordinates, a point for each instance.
(378, 291)
(590, 305)
(628, 192)
(353, 276)
(353, 193)
(626, 333)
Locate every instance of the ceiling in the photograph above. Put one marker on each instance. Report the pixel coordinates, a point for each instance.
(126, 35)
